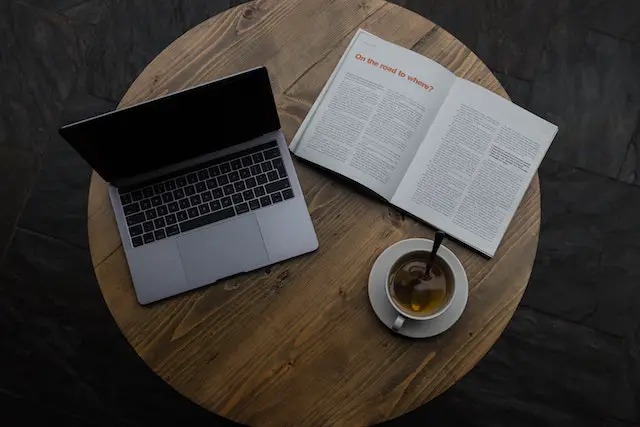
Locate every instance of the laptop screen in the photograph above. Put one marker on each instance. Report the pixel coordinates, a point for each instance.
(176, 127)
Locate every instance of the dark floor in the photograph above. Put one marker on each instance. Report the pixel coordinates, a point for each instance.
(571, 355)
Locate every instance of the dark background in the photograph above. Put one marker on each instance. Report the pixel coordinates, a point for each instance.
(571, 354)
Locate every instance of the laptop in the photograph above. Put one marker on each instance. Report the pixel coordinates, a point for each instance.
(201, 183)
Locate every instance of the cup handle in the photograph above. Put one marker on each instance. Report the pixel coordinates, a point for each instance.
(397, 324)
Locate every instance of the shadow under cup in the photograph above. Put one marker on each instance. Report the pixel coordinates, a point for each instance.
(414, 296)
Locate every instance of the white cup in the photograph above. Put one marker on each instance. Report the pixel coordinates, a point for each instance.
(402, 314)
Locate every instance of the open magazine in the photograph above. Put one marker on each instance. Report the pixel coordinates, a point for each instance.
(436, 146)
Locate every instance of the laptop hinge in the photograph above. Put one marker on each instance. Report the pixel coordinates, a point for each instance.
(179, 168)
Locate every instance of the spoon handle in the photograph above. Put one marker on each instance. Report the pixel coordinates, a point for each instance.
(437, 241)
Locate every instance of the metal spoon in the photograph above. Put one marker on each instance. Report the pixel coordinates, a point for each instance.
(437, 241)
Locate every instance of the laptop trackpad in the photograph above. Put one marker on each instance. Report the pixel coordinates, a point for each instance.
(216, 252)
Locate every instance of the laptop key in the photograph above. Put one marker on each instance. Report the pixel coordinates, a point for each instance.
(225, 168)
(279, 165)
(135, 219)
(203, 174)
(136, 241)
(287, 194)
(195, 200)
(171, 219)
(276, 197)
(172, 230)
(236, 164)
(247, 161)
(181, 181)
(137, 196)
(211, 183)
(159, 223)
(159, 188)
(265, 201)
(267, 166)
(156, 201)
(162, 210)
(159, 234)
(214, 171)
(201, 186)
(170, 185)
(192, 178)
(217, 193)
(237, 198)
(248, 194)
(228, 189)
(271, 153)
(193, 212)
(125, 199)
(259, 191)
(272, 187)
(277, 162)
(184, 204)
(273, 176)
(174, 207)
(148, 238)
(223, 180)
(182, 216)
(148, 192)
(147, 226)
(261, 179)
(226, 202)
(239, 186)
(245, 173)
(242, 208)
(136, 230)
(254, 204)
(234, 176)
(178, 194)
(251, 182)
(145, 204)
(258, 158)
(189, 190)
(131, 209)
(206, 197)
(204, 209)
(207, 219)
(151, 214)
(215, 205)
(167, 197)
(255, 170)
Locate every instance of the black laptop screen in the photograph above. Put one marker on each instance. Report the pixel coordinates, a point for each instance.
(177, 127)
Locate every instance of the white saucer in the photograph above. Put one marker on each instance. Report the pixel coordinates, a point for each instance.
(385, 311)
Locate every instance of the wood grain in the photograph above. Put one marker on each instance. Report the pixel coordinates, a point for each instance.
(298, 344)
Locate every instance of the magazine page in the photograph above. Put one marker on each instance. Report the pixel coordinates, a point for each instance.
(474, 166)
(373, 113)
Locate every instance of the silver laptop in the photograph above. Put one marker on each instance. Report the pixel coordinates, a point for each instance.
(201, 183)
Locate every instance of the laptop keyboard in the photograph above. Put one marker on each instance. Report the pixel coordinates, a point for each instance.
(218, 190)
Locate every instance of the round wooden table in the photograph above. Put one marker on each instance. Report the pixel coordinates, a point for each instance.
(298, 343)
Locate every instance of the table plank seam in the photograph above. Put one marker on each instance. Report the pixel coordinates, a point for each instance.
(332, 48)
(109, 255)
(426, 37)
